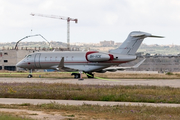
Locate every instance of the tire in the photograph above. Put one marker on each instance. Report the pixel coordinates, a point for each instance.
(90, 75)
(29, 76)
(76, 76)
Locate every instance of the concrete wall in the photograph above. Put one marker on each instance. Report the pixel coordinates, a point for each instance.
(9, 58)
(161, 64)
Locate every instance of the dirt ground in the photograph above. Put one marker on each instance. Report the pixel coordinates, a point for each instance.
(34, 114)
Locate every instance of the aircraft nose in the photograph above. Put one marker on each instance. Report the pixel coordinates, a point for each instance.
(19, 64)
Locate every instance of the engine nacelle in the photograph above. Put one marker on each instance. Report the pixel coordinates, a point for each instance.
(98, 57)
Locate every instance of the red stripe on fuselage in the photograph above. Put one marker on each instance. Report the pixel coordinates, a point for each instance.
(90, 62)
(81, 62)
(90, 52)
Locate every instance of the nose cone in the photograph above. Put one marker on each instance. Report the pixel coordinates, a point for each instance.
(19, 64)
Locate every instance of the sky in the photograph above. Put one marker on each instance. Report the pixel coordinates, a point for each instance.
(98, 20)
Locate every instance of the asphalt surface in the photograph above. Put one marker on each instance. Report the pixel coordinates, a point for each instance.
(79, 102)
(157, 82)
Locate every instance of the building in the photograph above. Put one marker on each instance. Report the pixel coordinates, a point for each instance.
(158, 63)
(9, 58)
(107, 43)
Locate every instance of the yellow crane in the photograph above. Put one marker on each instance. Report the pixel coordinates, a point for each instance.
(68, 19)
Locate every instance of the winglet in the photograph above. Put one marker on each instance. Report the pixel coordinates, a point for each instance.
(61, 64)
(138, 64)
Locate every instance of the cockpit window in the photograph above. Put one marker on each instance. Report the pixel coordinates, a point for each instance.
(29, 56)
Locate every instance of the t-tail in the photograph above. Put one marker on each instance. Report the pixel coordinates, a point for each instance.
(132, 43)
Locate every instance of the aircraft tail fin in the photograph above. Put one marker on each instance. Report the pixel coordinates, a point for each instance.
(132, 43)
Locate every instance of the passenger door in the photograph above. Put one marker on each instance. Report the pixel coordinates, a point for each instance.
(37, 60)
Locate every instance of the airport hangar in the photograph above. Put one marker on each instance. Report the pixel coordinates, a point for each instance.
(168, 63)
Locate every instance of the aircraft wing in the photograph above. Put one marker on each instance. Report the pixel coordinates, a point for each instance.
(113, 69)
(64, 69)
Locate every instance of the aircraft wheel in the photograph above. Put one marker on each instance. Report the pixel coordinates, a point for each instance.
(29, 76)
(90, 75)
(77, 76)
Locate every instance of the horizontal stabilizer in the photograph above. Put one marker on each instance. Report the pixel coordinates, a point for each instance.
(137, 34)
(144, 35)
(132, 43)
(156, 36)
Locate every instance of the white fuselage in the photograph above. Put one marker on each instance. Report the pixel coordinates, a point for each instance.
(91, 61)
(82, 61)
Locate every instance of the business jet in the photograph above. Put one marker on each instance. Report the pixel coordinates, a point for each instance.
(87, 61)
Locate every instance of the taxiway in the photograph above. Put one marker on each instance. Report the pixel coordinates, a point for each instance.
(150, 82)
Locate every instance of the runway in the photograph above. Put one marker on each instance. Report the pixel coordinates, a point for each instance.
(150, 82)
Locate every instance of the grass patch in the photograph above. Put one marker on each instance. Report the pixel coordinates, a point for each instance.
(169, 73)
(6, 116)
(152, 94)
(25, 104)
(117, 112)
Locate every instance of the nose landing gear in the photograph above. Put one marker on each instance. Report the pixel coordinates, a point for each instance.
(30, 74)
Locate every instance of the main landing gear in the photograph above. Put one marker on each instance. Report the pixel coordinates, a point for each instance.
(78, 75)
(90, 75)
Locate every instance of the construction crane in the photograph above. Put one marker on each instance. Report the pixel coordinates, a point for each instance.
(62, 18)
